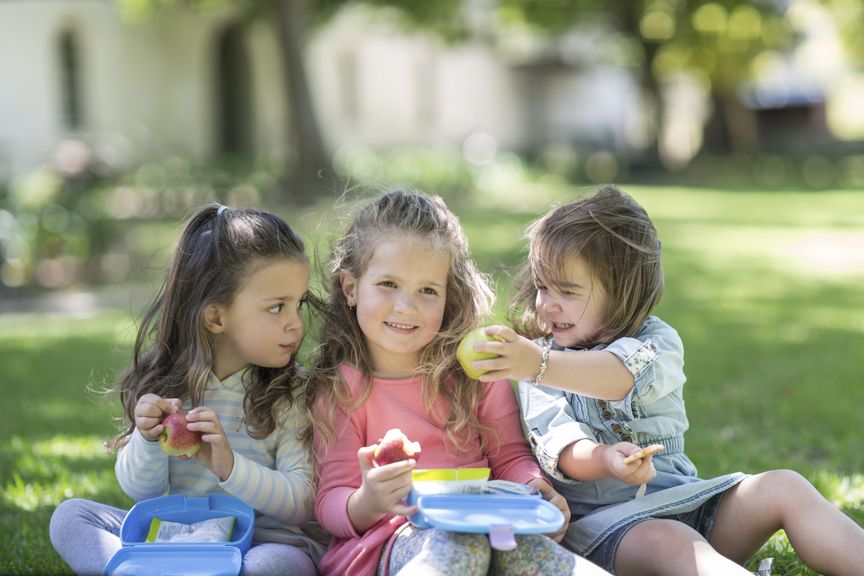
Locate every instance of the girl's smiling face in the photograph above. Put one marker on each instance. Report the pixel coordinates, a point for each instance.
(574, 310)
(400, 300)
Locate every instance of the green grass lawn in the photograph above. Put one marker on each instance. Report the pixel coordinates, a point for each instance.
(764, 289)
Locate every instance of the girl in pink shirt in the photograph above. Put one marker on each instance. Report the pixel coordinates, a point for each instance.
(403, 292)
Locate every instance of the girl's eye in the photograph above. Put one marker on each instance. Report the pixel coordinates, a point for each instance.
(387, 284)
(301, 303)
(276, 308)
(429, 291)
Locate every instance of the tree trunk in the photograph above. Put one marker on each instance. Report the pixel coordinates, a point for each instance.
(732, 127)
(630, 14)
(310, 171)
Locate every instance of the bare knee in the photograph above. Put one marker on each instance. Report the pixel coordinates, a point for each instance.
(782, 478)
(777, 488)
(657, 545)
(659, 532)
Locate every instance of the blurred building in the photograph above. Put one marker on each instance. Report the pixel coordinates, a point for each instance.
(195, 83)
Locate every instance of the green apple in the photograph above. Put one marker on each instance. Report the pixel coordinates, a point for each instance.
(466, 354)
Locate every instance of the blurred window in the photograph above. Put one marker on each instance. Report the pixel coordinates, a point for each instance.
(70, 81)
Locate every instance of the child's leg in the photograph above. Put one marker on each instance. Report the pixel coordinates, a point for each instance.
(271, 559)
(668, 547)
(824, 538)
(434, 552)
(540, 555)
(86, 534)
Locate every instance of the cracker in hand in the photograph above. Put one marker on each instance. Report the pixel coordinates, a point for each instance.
(644, 452)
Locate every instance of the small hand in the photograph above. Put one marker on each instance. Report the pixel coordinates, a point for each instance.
(215, 453)
(149, 412)
(518, 358)
(384, 488)
(639, 472)
(556, 500)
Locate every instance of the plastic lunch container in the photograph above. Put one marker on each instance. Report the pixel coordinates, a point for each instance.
(141, 558)
(467, 507)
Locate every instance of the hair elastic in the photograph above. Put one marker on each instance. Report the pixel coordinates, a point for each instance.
(222, 208)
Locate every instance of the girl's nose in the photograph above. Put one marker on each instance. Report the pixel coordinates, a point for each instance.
(403, 302)
(548, 302)
(294, 322)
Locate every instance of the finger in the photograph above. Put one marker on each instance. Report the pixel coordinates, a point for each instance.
(173, 405)
(218, 440)
(166, 406)
(489, 347)
(395, 470)
(202, 413)
(365, 456)
(501, 331)
(558, 536)
(206, 427)
(489, 364)
(149, 398)
(148, 408)
(495, 375)
(403, 510)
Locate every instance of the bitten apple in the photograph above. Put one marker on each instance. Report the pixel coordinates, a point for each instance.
(466, 354)
(176, 439)
(395, 447)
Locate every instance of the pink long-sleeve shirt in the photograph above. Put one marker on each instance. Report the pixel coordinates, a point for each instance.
(399, 404)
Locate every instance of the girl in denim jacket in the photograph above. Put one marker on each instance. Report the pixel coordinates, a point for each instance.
(603, 378)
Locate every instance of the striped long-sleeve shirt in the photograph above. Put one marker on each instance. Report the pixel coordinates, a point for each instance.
(273, 475)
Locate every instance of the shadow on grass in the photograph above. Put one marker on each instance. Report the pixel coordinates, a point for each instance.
(49, 385)
(25, 547)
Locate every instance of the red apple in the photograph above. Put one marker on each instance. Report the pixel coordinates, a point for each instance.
(395, 447)
(466, 354)
(176, 439)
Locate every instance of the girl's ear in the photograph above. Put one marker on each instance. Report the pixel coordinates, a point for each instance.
(213, 319)
(349, 287)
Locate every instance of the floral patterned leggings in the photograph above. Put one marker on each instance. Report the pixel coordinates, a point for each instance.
(435, 552)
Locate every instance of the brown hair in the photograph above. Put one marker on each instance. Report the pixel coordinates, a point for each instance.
(617, 239)
(412, 217)
(173, 353)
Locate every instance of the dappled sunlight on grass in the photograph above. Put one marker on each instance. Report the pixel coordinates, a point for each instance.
(67, 447)
(832, 254)
(809, 253)
(840, 209)
(29, 330)
(46, 472)
(846, 492)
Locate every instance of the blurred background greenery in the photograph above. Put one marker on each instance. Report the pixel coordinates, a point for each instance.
(738, 125)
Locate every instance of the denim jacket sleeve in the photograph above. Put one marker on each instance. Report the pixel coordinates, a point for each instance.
(655, 357)
(552, 425)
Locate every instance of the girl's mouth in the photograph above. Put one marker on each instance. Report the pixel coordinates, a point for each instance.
(562, 325)
(401, 327)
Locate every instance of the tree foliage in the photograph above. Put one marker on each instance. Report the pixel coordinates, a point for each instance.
(719, 42)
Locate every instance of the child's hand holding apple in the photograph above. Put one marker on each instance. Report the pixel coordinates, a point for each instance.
(149, 412)
(498, 352)
(215, 452)
(386, 479)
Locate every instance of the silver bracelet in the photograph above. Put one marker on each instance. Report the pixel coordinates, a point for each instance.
(544, 361)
